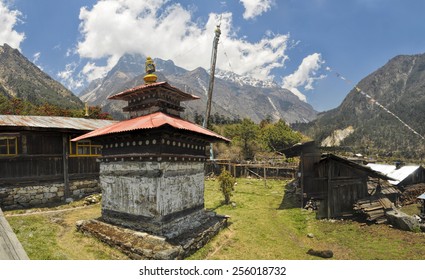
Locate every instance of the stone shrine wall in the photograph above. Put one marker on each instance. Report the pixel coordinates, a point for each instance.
(157, 197)
(151, 189)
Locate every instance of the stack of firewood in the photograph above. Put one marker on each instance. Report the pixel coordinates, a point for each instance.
(411, 193)
(374, 208)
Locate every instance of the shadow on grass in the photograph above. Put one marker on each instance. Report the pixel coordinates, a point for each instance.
(291, 199)
(221, 204)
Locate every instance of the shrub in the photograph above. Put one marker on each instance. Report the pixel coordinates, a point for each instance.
(227, 184)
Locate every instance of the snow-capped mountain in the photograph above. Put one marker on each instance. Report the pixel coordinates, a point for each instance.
(244, 79)
(234, 95)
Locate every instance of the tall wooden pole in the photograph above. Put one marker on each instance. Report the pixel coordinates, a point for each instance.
(65, 163)
(212, 74)
(211, 84)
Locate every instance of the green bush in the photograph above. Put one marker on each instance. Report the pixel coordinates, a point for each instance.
(227, 185)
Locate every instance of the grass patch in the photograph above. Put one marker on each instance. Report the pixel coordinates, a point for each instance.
(263, 225)
(412, 209)
(53, 236)
(38, 237)
(258, 229)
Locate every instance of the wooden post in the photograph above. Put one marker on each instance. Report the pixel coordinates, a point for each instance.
(11, 248)
(301, 178)
(265, 176)
(67, 192)
(330, 193)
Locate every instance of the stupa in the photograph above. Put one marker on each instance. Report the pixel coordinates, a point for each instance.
(152, 165)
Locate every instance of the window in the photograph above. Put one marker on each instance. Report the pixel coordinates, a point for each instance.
(8, 145)
(84, 148)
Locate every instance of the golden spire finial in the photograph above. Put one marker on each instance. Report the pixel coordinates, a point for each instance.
(150, 77)
(86, 109)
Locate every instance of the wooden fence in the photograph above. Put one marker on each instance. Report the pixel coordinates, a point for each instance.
(283, 171)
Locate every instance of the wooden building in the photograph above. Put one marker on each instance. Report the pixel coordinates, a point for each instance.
(338, 184)
(333, 182)
(38, 162)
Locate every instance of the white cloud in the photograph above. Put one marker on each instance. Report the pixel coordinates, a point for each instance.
(255, 8)
(36, 57)
(68, 78)
(8, 20)
(69, 52)
(161, 29)
(304, 76)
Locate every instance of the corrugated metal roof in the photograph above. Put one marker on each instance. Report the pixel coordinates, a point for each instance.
(391, 171)
(53, 122)
(125, 95)
(154, 120)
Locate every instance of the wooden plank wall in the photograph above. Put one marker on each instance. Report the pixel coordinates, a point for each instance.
(340, 187)
(41, 159)
(42, 168)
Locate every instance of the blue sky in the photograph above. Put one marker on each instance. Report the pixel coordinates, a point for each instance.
(294, 42)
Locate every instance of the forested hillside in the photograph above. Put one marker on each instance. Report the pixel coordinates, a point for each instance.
(21, 79)
(399, 86)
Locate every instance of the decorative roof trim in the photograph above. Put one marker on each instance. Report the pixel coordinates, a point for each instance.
(125, 95)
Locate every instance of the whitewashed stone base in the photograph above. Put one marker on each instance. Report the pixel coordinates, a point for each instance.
(163, 198)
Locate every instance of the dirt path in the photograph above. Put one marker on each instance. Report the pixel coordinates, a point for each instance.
(228, 238)
(49, 211)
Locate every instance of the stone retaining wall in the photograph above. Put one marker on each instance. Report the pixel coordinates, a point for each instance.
(15, 197)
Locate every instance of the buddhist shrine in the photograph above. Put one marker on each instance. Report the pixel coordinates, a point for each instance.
(152, 165)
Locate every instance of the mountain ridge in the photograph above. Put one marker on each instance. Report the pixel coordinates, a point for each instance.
(20, 78)
(234, 95)
(399, 86)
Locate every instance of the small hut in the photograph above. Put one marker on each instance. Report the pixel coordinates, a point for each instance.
(338, 184)
(332, 182)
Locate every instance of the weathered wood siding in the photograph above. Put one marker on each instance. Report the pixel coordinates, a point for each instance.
(43, 172)
(339, 187)
(40, 159)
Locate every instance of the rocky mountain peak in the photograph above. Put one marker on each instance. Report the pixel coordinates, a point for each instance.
(20, 78)
(234, 96)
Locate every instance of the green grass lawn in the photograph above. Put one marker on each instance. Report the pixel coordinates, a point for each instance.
(53, 236)
(262, 226)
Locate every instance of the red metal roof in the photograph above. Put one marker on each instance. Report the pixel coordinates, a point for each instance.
(127, 94)
(151, 121)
